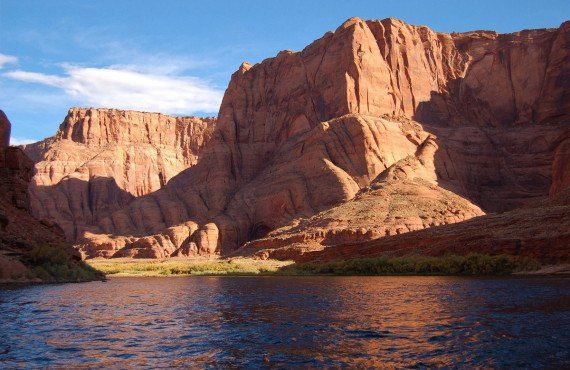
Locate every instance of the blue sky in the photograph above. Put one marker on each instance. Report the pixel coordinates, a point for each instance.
(177, 56)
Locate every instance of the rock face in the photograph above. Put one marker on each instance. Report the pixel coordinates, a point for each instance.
(20, 233)
(5, 128)
(540, 230)
(15, 166)
(561, 167)
(101, 159)
(377, 128)
(404, 198)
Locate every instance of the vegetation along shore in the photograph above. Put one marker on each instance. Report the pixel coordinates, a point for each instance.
(448, 265)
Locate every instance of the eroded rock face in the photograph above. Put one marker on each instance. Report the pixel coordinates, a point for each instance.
(403, 198)
(561, 167)
(320, 168)
(540, 231)
(375, 113)
(5, 128)
(15, 167)
(19, 231)
(101, 159)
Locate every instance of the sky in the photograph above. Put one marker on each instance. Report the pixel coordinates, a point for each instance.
(177, 57)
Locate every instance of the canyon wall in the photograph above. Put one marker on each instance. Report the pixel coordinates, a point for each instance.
(496, 105)
(101, 159)
(20, 232)
(5, 129)
(372, 115)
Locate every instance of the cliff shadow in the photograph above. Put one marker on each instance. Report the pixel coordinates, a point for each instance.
(76, 204)
(498, 163)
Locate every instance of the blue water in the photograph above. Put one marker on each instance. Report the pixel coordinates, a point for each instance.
(268, 322)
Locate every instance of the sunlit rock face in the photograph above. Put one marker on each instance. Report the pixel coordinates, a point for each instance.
(101, 159)
(376, 113)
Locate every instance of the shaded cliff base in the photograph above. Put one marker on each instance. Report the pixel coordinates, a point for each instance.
(31, 251)
(44, 264)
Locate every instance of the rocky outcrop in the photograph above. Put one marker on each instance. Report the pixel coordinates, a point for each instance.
(185, 240)
(561, 167)
(404, 198)
(5, 128)
(21, 230)
(16, 168)
(320, 168)
(540, 230)
(101, 159)
(445, 126)
(21, 235)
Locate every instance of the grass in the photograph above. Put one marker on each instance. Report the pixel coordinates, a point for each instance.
(197, 266)
(448, 265)
(55, 264)
(453, 265)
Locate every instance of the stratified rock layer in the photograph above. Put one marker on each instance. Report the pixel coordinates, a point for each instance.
(404, 198)
(101, 159)
(375, 114)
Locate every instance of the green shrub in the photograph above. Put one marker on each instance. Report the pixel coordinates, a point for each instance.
(190, 266)
(54, 263)
(471, 264)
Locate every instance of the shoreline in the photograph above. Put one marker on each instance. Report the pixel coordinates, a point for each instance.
(562, 269)
(262, 268)
(449, 265)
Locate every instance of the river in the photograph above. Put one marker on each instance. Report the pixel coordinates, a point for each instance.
(253, 322)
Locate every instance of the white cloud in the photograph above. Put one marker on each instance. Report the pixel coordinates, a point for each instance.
(162, 64)
(36, 77)
(21, 141)
(7, 59)
(126, 88)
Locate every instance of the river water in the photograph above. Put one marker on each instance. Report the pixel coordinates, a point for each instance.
(268, 322)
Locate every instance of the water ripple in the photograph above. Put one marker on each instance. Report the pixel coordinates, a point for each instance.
(276, 322)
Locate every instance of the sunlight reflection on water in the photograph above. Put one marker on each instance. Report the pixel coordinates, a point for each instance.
(288, 321)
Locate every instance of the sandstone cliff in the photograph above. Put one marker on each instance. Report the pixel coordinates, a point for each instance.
(5, 129)
(404, 198)
(25, 243)
(377, 128)
(101, 159)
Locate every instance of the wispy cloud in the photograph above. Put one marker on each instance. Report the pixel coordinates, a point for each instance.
(21, 141)
(126, 87)
(160, 63)
(7, 59)
(35, 77)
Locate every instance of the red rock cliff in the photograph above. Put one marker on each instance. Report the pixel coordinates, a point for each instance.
(20, 233)
(5, 128)
(101, 159)
(305, 131)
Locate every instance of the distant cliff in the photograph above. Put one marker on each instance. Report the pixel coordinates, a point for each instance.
(101, 159)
